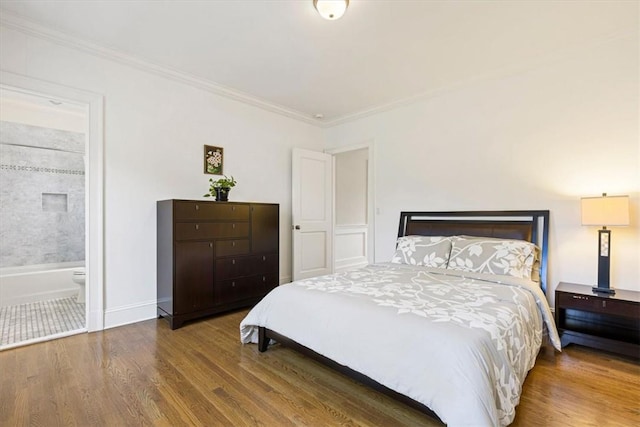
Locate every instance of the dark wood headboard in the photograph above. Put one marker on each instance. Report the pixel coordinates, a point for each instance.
(532, 226)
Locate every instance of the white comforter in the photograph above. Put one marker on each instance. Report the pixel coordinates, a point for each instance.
(457, 342)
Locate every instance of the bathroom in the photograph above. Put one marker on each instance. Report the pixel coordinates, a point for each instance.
(42, 218)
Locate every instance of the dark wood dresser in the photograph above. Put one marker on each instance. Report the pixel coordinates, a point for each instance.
(603, 321)
(214, 256)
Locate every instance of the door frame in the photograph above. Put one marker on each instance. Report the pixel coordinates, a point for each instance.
(94, 182)
(370, 146)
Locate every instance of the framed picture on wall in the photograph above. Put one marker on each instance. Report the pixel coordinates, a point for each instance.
(213, 159)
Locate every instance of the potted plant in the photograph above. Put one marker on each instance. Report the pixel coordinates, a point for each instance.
(220, 188)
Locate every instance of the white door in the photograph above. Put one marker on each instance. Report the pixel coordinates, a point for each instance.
(311, 201)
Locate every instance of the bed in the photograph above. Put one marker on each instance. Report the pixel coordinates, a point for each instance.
(451, 325)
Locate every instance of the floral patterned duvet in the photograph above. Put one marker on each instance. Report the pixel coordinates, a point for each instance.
(460, 343)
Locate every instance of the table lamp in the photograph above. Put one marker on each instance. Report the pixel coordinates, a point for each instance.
(605, 211)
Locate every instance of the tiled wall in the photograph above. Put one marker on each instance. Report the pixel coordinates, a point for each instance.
(41, 195)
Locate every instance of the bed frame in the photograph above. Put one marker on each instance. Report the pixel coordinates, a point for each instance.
(532, 226)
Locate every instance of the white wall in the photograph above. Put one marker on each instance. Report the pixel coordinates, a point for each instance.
(539, 139)
(155, 129)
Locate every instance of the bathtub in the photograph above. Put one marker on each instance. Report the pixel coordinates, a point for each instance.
(22, 285)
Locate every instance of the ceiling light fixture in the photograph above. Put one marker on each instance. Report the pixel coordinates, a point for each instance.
(331, 9)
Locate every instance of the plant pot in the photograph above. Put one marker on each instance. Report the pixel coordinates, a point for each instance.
(222, 194)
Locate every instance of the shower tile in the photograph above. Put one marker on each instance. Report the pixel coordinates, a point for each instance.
(52, 202)
(42, 195)
(17, 133)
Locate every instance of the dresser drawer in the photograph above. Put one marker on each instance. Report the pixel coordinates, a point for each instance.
(210, 211)
(267, 263)
(233, 267)
(232, 247)
(598, 304)
(228, 291)
(210, 230)
(267, 282)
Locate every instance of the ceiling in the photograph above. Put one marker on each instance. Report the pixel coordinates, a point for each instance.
(382, 53)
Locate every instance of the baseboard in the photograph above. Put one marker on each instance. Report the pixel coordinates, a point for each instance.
(127, 314)
(286, 279)
(133, 313)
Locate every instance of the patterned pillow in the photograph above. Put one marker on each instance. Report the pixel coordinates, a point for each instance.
(494, 256)
(429, 251)
(535, 270)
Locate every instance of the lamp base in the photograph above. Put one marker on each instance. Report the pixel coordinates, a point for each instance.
(603, 290)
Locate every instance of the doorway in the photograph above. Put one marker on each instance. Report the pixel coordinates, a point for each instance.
(51, 157)
(42, 211)
(332, 210)
(353, 231)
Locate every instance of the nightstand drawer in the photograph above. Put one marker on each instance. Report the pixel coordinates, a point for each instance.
(598, 304)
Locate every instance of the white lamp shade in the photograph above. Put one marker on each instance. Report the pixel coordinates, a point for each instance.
(331, 9)
(606, 210)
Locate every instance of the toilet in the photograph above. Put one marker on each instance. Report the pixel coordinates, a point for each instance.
(79, 278)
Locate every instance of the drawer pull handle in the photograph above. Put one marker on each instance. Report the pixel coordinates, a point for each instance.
(233, 261)
(604, 304)
(264, 279)
(197, 207)
(233, 226)
(210, 245)
(580, 297)
(264, 258)
(233, 284)
(233, 244)
(233, 208)
(197, 226)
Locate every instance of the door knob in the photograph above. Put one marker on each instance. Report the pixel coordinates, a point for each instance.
(297, 227)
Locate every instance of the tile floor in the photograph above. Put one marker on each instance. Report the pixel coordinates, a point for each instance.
(27, 323)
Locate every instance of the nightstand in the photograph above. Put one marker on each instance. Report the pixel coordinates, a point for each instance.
(602, 321)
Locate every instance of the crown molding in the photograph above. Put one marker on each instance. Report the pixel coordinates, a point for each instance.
(18, 23)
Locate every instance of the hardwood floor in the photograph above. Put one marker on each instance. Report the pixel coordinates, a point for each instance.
(146, 374)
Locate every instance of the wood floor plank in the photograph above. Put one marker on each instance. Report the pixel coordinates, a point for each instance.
(302, 406)
(147, 374)
(580, 386)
